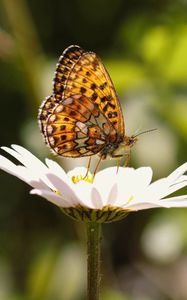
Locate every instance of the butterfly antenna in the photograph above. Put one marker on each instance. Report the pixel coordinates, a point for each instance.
(146, 131)
(136, 132)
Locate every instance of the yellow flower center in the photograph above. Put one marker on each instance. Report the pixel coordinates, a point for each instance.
(88, 178)
(57, 192)
(130, 199)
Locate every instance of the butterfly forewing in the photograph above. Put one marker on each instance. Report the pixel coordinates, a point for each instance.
(85, 74)
(65, 65)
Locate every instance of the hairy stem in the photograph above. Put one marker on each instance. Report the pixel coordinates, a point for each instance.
(93, 264)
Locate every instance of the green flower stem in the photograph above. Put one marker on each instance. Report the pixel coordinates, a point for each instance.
(93, 264)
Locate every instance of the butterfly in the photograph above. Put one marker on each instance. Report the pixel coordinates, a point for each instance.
(83, 116)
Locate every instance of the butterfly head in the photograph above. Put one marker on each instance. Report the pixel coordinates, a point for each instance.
(116, 150)
(129, 142)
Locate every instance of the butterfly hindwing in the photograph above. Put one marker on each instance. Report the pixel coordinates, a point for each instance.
(45, 111)
(72, 129)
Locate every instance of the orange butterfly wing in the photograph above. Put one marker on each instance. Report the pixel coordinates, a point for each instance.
(80, 72)
(84, 113)
(72, 129)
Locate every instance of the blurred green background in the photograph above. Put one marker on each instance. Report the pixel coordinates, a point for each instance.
(144, 47)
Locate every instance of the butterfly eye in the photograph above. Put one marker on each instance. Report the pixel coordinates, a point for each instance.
(132, 140)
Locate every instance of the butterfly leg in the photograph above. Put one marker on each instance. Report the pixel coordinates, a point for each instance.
(88, 167)
(118, 165)
(96, 168)
(118, 161)
(127, 159)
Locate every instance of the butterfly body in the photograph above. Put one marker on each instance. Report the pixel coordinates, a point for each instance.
(118, 149)
(83, 116)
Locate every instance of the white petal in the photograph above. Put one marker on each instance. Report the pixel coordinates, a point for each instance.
(83, 191)
(20, 172)
(128, 181)
(156, 190)
(9, 167)
(168, 189)
(176, 186)
(143, 205)
(128, 184)
(107, 173)
(96, 199)
(125, 179)
(77, 172)
(34, 165)
(112, 197)
(178, 201)
(65, 190)
(181, 178)
(50, 196)
(124, 175)
(178, 172)
(56, 168)
(104, 182)
(29, 178)
(26, 158)
(143, 176)
(135, 185)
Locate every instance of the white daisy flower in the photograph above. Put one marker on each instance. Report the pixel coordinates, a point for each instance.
(110, 196)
